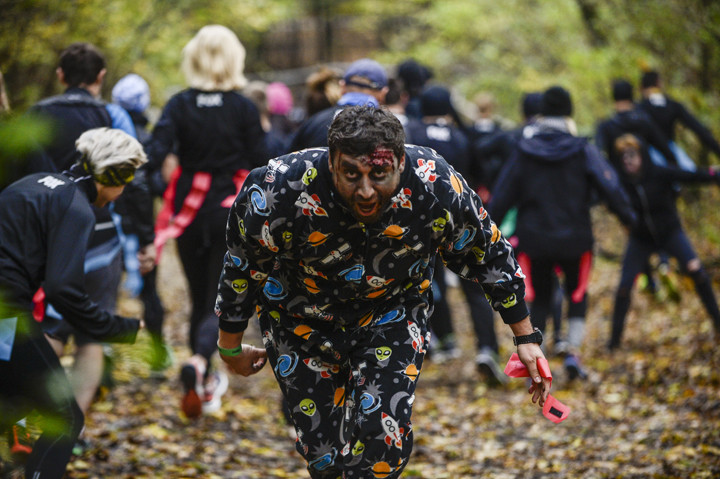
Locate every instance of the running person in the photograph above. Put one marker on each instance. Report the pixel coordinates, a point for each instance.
(82, 70)
(436, 130)
(334, 249)
(217, 136)
(551, 179)
(658, 228)
(45, 224)
(667, 113)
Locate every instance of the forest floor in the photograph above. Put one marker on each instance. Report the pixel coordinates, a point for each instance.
(648, 410)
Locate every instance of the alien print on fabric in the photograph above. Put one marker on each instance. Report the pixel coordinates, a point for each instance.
(343, 305)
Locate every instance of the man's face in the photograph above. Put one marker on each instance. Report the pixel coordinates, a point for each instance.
(366, 185)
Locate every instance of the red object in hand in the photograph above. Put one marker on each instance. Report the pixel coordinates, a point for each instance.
(553, 409)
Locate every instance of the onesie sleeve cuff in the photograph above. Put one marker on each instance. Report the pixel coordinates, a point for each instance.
(516, 313)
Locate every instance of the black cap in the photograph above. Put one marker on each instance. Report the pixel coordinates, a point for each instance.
(531, 104)
(622, 90)
(435, 101)
(556, 102)
(413, 74)
(650, 79)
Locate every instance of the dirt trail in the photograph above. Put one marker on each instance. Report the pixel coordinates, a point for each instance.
(650, 410)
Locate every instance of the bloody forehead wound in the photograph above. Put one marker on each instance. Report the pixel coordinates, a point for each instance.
(380, 157)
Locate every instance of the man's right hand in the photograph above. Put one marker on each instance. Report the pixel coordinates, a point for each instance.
(249, 362)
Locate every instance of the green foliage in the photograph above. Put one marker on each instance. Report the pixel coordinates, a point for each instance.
(506, 48)
(19, 136)
(145, 37)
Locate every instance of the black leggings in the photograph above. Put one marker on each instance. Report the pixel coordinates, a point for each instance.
(636, 256)
(154, 314)
(33, 379)
(542, 275)
(202, 249)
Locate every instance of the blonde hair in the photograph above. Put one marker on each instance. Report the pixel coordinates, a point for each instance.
(108, 148)
(627, 142)
(214, 60)
(485, 102)
(323, 90)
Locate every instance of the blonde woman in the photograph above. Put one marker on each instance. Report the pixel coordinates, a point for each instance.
(216, 134)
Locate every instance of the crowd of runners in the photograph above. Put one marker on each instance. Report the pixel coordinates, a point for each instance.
(338, 216)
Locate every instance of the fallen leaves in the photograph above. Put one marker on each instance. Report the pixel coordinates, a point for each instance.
(651, 409)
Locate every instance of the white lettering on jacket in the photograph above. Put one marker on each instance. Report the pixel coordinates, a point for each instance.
(209, 100)
(438, 133)
(51, 182)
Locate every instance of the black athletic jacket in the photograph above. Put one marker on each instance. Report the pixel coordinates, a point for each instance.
(313, 132)
(45, 224)
(211, 131)
(666, 113)
(71, 114)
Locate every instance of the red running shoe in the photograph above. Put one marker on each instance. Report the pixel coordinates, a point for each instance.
(191, 379)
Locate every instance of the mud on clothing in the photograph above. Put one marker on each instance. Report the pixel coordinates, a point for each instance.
(343, 306)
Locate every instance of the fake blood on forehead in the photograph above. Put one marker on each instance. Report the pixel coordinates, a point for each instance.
(380, 157)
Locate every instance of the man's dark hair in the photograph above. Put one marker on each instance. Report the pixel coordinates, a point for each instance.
(359, 130)
(395, 89)
(650, 79)
(556, 101)
(531, 104)
(414, 76)
(81, 63)
(622, 90)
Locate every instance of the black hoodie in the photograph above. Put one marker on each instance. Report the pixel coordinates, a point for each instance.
(552, 178)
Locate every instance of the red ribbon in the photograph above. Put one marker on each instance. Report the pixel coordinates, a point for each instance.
(38, 300)
(168, 226)
(553, 409)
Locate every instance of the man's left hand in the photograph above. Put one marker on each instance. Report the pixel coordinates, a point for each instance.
(249, 362)
(540, 388)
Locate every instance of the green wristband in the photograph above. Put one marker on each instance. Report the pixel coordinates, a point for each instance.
(230, 352)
